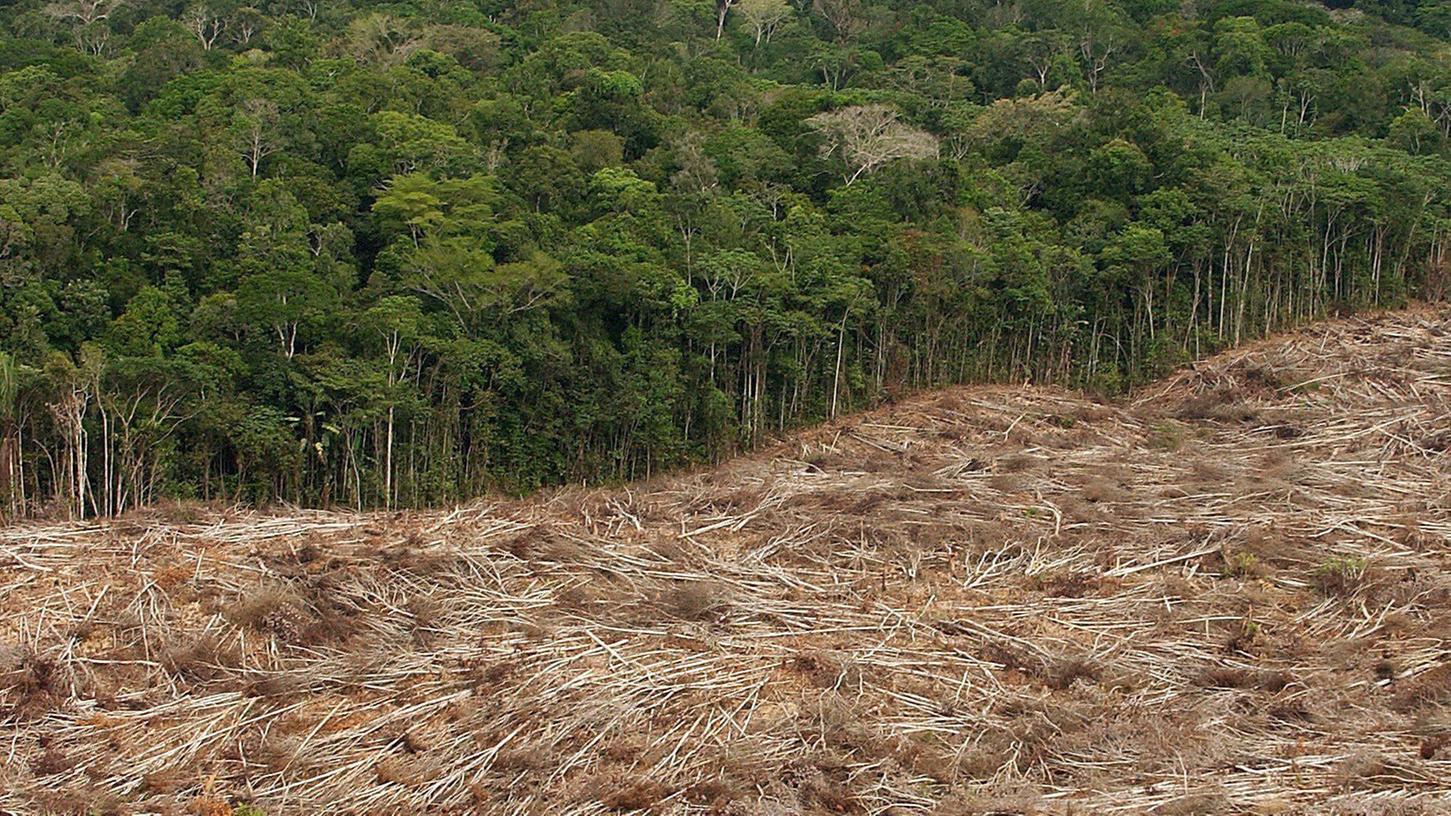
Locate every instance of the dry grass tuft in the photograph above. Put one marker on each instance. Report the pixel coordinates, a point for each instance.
(1430, 688)
(1100, 489)
(1217, 406)
(1206, 803)
(631, 793)
(1237, 677)
(524, 759)
(30, 684)
(698, 600)
(1062, 674)
(199, 657)
(268, 608)
(1366, 769)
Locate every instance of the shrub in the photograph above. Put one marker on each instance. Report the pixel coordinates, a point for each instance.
(1341, 575)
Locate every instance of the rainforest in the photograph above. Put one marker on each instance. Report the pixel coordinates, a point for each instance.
(378, 255)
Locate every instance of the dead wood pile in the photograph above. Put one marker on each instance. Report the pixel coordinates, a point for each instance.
(1228, 594)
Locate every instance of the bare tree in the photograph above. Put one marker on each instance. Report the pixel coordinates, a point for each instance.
(1097, 51)
(256, 128)
(1206, 79)
(89, 21)
(847, 17)
(205, 23)
(1042, 51)
(722, 8)
(11, 464)
(869, 136)
(117, 188)
(1101, 31)
(381, 39)
(84, 12)
(245, 25)
(764, 16)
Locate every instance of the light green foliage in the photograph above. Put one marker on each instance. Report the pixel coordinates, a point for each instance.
(1243, 564)
(1341, 575)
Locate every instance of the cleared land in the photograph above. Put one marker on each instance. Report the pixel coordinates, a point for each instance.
(1230, 594)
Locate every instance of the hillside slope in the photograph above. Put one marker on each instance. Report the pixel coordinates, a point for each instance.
(1229, 594)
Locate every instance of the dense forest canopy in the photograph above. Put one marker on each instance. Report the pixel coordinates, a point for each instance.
(383, 254)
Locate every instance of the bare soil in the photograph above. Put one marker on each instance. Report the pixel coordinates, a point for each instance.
(1230, 593)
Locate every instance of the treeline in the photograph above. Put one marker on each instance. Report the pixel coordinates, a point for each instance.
(389, 254)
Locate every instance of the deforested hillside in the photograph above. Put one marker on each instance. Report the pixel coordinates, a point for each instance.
(389, 254)
(1228, 593)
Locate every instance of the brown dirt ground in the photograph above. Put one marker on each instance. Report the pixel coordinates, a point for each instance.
(1227, 594)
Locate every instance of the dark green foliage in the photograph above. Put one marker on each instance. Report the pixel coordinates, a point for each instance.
(396, 254)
